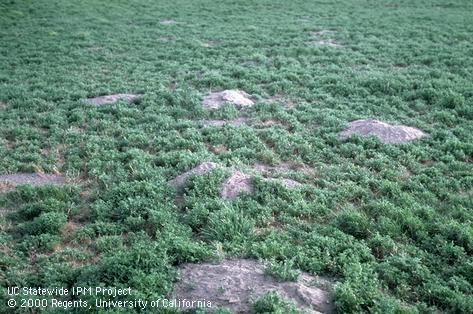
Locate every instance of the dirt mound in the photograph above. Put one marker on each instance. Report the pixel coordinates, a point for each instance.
(167, 22)
(216, 100)
(199, 170)
(386, 133)
(110, 99)
(322, 38)
(9, 181)
(237, 183)
(218, 123)
(236, 284)
(327, 42)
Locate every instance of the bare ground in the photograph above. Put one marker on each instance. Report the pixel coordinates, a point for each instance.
(198, 170)
(385, 132)
(111, 99)
(9, 181)
(236, 97)
(236, 284)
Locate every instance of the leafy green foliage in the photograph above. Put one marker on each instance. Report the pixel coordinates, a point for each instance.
(390, 223)
(270, 302)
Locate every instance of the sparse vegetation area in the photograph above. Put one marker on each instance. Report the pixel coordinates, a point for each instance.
(391, 224)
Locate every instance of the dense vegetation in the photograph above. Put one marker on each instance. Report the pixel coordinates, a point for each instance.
(391, 224)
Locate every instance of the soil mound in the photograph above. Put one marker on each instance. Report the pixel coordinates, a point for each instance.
(386, 133)
(111, 99)
(199, 170)
(236, 284)
(167, 22)
(237, 183)
(216, 100)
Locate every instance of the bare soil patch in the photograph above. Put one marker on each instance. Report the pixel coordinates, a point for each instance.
(236, 97)
(236, 284)
(284, 167)
(198, 170)
(9, 181)
(167, 22)
(323, 37)
(237, 183)
(326, 42)
(217, 149)
(111, 99)
(385, 132)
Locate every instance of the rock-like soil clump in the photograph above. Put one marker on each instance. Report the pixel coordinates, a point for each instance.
(236, 97)
(386, 133)
(237, 183)
(167, 22)
(201, 169)
(111, 99)
(9, 181)
(236, 284)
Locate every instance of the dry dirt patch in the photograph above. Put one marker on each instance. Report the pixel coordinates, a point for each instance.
(237, 183)
(201, 169)
(236, 97)
(236, 284)
(323, 38)
(9, 181)
(385, 132)
(284, 167)
(326, 42)
(167, 22)
(111, 99)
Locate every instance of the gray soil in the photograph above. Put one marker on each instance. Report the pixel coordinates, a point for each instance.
(284, 167)
(386, 133)
(219, 123)
(167, 22)
(111, 99)
(236, 284)
(237, 183)
(198, 170)
(236, 97)
(9, 181)
(326, 42)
